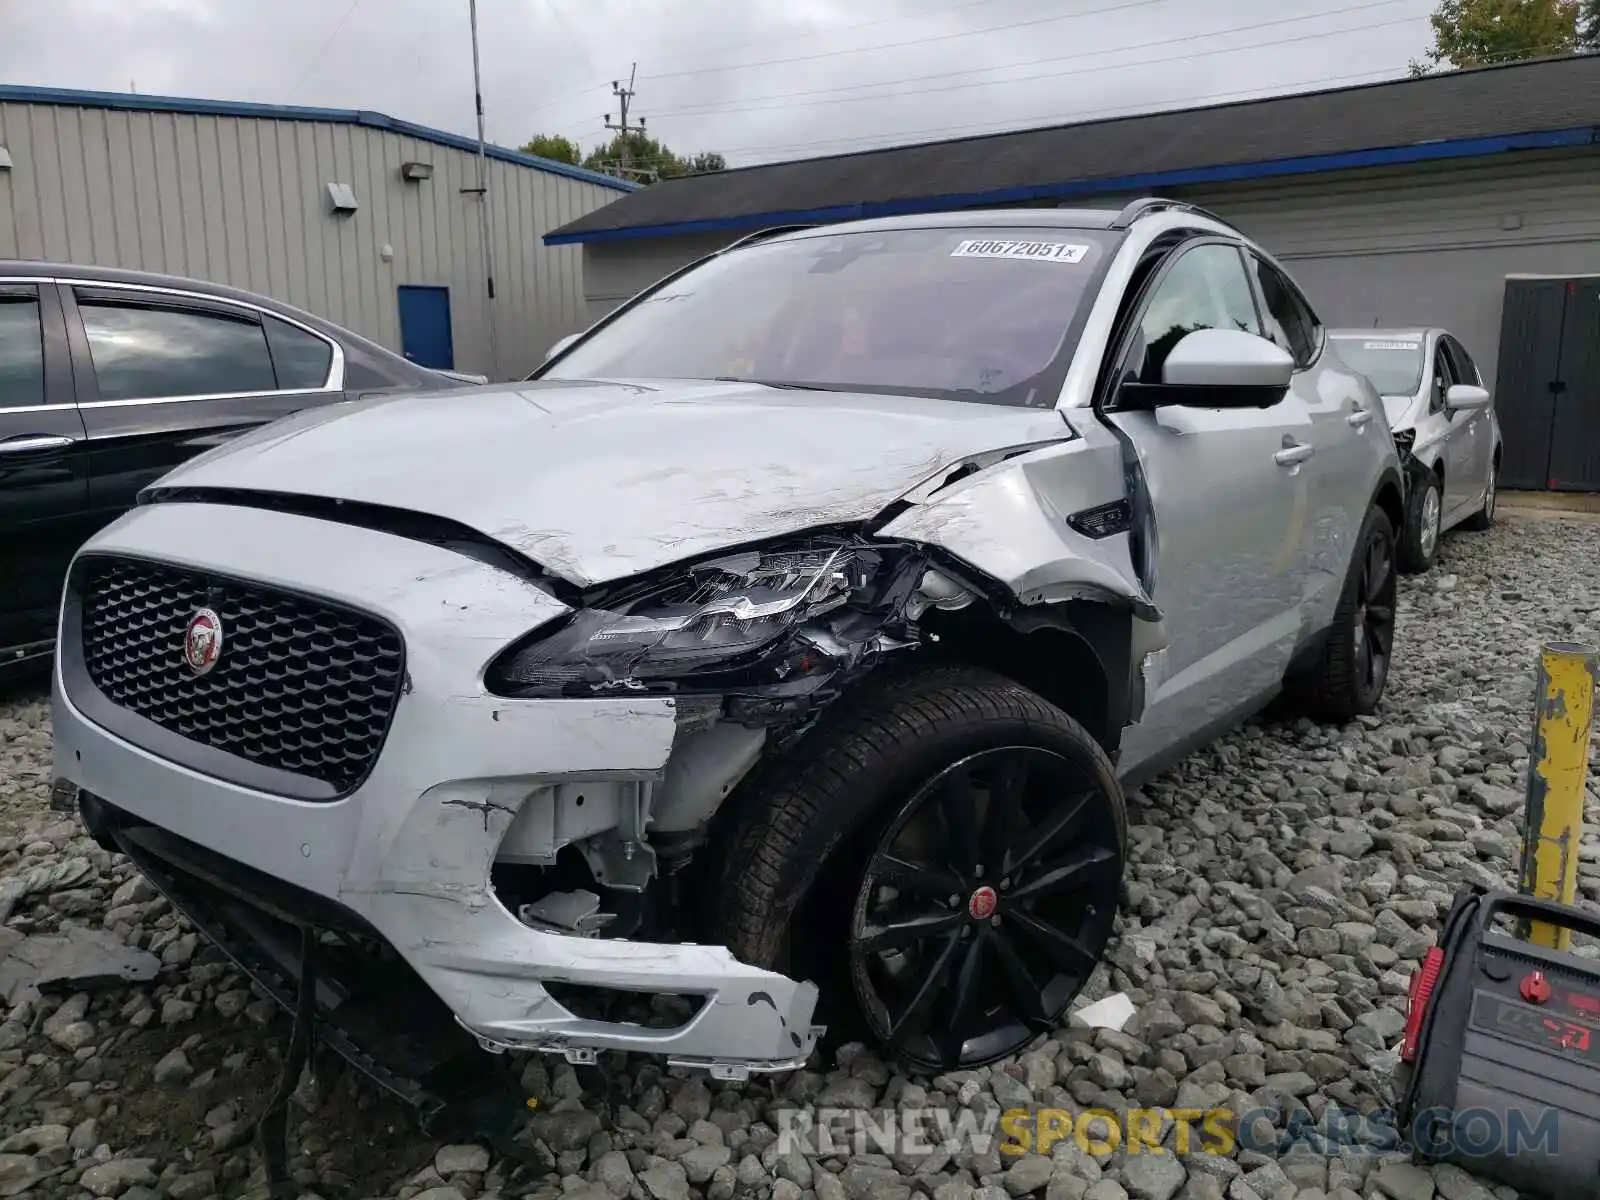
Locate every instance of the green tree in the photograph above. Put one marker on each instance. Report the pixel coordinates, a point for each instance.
(1481, 33)
(1589, 26)
(640, 153)
(555, 147)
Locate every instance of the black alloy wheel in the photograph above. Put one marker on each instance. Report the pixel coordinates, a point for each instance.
(1376, 590)
(984, 906)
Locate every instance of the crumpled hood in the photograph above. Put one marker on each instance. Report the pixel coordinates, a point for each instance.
(600, 481)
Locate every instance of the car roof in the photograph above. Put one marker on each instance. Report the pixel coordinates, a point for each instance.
(1411, 333)
(979, 218)
(199, 287)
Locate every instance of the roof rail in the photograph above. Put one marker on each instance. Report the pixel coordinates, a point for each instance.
(769, 231)
(1147, 205)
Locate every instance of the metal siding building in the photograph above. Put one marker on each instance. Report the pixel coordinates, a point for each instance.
(239, 194)
(1405, 203)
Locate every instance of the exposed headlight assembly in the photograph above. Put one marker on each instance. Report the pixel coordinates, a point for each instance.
(757, 616)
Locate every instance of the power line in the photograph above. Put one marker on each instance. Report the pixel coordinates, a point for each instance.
(1027, 124)
(323, 49)
(753, 103)
(569, 96)
(1123, 6)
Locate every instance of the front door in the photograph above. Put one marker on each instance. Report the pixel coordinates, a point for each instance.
(44, 497)
(425, 326)
(1228, 493)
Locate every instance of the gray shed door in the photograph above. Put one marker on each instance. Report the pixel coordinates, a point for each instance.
(1548, 385)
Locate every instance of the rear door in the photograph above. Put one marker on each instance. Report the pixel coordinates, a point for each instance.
(44, 496)
(165, 375)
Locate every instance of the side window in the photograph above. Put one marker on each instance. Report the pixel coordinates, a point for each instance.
(1206, 288)
(21, 348)
(1464, 369)
(1290, 321)
(143, 351)
(300, 359)
(1442, 377)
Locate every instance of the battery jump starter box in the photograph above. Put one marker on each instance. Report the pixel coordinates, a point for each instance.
(1501, 1060)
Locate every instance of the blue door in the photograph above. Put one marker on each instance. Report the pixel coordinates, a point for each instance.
(425, 326)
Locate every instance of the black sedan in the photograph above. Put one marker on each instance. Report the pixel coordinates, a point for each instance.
(109, 379)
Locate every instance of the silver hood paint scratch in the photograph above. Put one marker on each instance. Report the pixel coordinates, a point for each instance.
(601, 481)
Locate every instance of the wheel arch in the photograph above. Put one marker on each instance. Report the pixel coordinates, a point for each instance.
(1077, 655)
(1390, 496)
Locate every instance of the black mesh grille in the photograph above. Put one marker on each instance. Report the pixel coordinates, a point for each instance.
(301, 685)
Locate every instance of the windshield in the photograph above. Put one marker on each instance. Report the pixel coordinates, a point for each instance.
(1394, 365)
(967, 314)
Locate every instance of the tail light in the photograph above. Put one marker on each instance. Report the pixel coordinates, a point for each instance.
(1422, 984)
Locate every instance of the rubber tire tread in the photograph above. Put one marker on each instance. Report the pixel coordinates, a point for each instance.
(1331, 693)
(870, 749)
(1412, 560)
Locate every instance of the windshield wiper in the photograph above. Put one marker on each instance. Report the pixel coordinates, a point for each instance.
(787, 385)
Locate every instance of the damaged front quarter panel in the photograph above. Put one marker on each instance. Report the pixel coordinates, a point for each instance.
(1011, 521)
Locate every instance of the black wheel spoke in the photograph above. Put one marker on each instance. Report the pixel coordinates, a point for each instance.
(1069, 954)
(1007, 788)
(1047, 835)
(1377, 570)
(1024, 989)
(932, 984)
(963, 999)
(896, 935)
(912, 877)
(1086, 864)
(959, 806)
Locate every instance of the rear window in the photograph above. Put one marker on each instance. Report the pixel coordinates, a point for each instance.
(1394, 365)
(970, 314)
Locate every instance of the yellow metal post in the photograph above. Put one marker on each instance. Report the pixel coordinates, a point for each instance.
(1558, 764)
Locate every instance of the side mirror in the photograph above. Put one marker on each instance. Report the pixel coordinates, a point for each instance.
(1217, 368)
(1464, 397)
(561, 345)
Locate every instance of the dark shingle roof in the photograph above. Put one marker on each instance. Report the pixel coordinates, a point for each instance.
(1549, 102)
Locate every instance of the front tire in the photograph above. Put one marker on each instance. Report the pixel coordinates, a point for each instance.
(1419, 543)
(1349, 680)
(943, 855)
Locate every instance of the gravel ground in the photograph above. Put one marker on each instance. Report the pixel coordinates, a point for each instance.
(1283, 884)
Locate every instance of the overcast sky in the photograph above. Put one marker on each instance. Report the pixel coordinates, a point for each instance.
(754, 79)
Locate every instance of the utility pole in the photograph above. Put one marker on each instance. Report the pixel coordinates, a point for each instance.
(624, 97)
(487, 225)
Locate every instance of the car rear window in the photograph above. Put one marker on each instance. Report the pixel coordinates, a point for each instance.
(962, 313)
(1393, 364)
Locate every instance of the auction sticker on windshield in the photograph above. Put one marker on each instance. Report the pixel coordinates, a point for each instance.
(1062, 252)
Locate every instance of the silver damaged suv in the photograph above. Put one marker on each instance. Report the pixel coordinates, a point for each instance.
(782, 647)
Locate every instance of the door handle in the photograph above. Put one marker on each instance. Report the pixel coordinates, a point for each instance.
(1293, 455)
(1359, 418)
(36, 443)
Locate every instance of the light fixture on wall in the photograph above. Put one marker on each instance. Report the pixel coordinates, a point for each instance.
(416, 172)
(5, 159)
(343, 197)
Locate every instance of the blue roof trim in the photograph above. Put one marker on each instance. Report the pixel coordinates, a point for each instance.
(134, 102)
(1271, 169)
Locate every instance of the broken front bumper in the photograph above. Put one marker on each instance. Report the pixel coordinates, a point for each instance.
(407, 854)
